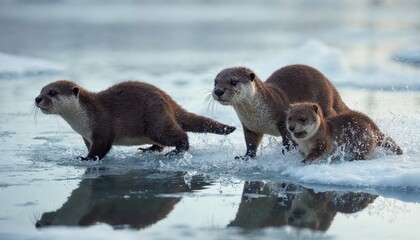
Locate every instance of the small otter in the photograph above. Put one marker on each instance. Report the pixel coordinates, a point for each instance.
(262, 106)
(351, 131)
(128, 113)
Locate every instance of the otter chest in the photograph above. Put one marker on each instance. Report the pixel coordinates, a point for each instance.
(80, 123)
(304, 146)
(258, 119)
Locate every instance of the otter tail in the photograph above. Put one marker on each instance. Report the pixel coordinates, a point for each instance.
(387, 142)
(191, 122)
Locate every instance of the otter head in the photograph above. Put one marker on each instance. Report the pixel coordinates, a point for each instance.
(234, 85)
(59, 97)
(311, 210)
(301, 212)
(303, 120)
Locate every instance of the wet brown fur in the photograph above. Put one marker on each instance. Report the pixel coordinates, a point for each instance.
(352, 130)
(295, 206)
(290, 84)
(130, 110)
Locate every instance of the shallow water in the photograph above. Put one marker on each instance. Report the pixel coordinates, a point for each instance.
(369, 50)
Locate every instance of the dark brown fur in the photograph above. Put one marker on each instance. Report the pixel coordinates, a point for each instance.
(133, 199)
(290, 204)
(353, 131)
(290, 84)
(127, 111)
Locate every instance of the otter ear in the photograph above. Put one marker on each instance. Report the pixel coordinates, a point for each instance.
(252, 76)
(315, 108)
(76, 91)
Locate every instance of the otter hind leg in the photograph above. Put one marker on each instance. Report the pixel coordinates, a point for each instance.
(389, 144)
(169, 133)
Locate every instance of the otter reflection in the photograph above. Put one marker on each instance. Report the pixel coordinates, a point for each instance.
(279, 204)
(136, 200)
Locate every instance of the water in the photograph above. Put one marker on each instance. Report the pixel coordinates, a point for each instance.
(369, 50)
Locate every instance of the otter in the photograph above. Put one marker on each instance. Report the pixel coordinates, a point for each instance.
(351, 131)
(262, 106)
(128, 113)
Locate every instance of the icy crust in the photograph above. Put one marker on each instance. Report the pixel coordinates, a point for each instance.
(12, 66)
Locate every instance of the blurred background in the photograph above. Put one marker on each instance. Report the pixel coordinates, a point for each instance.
(116, 40)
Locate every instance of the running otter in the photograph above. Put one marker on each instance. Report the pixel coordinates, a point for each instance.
(128, 113)
(351, 131)
(262, 106)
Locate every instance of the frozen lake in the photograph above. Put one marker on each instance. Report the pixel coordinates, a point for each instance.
(368, 49)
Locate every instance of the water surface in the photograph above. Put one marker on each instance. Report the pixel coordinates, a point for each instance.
(368, 49)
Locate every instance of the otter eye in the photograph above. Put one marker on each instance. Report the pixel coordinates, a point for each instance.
(52, 93)
(302, 119)
(234, 82)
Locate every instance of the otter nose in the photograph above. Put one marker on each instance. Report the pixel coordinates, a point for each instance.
(292, 128)
(38, 99)
(219, 92)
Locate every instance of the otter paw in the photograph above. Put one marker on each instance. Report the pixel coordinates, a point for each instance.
(243, 158)
(287, 148)
(172, 153)
(153, 148)
(82, 158)
(306, 161)
(229, 130)
(88, 158)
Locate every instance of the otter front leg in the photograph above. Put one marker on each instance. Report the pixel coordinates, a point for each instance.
(287, 140)
(321, 149)
(252, 140)
(98, 148)
(307, 160)
(87, 143)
